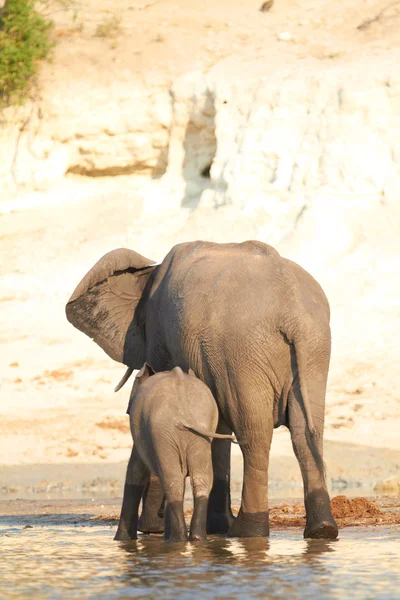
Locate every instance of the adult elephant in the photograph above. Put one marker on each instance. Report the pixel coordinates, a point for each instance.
(255, 328)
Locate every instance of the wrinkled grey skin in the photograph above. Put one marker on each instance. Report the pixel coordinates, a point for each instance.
(173, 417)
(255, 328)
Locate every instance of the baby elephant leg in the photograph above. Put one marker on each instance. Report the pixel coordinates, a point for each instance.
(174, 487)
(201, 479)
(175, 525)
(137, 476)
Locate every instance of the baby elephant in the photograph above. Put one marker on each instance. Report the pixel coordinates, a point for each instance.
(173, 417)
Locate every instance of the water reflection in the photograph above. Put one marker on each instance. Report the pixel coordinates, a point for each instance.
(215, 565)
(242, 551)
(82, 562)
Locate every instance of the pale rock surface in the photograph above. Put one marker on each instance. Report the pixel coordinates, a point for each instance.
(97, 131)
(291, 133)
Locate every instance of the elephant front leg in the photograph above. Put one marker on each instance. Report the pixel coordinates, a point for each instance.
(219, 513)
(153, 498)
(136, 477)
(253, 517)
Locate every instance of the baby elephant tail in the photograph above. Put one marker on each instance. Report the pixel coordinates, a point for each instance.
(210, 434)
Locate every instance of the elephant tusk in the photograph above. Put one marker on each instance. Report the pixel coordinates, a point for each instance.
(124, 379)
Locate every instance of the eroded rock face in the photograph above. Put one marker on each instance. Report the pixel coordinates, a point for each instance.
(266, 143)
(313, 154)
(294, 132)
(114, 130)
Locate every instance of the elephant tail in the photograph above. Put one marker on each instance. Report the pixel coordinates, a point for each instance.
(209, 434)
(311, 433)
(124, 379)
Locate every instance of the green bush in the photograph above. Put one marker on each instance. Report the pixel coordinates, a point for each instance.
(24, 40)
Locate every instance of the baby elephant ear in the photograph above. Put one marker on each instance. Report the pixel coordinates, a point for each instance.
(145, 372)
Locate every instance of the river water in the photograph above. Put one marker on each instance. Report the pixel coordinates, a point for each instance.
(84, 562)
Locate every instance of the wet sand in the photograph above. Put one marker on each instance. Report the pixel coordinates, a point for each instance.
(349, 512)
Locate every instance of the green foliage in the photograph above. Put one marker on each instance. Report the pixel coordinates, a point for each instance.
(24, 40)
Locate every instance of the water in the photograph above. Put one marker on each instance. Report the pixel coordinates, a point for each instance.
(85, 562)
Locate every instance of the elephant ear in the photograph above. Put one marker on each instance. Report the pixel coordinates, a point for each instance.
(105, 303)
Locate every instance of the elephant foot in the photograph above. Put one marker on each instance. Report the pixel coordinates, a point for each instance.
(150, 523)
(124, 534)
(218, 523)
(198, 530)
(219, 515)
(250, 525)
(324, 530)
(320, 523)
(175, 525)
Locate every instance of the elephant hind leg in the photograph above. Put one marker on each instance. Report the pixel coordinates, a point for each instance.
(201, 479)
(137, 477)
(173, 482)
(253, 517)
(175, 524)
(253, 431)
(319, 520)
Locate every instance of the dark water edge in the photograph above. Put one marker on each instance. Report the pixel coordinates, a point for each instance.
(76, 561)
